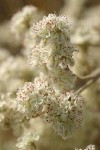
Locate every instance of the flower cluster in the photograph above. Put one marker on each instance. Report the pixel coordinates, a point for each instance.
(51, 92)
(26, 142)
(23, 19)
(90, 147)
(40, 105)
(10, 118)
(11, 75)
(53, 47)
(30, 103)
(88, 31)
(52, 51)
(65, 113)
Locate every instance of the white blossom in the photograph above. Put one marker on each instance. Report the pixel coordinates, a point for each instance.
(65, 113)
(23, 19)
(13, 72)
(52, 51)
(26, 142)
(10, 118)
(53, 46)
(87, 31)
(62, 110)
(29, 101)
(89, 147)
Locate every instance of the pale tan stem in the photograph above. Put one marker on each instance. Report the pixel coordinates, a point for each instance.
(88, 80)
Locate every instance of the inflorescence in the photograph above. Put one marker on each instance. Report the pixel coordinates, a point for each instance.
(51, 93)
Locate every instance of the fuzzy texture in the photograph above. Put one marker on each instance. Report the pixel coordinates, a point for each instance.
(65, 113)
(23, 19)
(30, 103)
(52, 50)
(62, 110)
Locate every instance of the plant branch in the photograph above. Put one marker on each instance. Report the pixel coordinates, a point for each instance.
(87, 80)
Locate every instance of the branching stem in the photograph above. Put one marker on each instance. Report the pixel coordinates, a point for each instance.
(88, 80)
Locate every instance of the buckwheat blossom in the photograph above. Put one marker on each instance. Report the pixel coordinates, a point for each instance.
(23, 19)
(29, 101)
(41, 83)
(89, 147)
(52, 55)
(62, 110)
(53, 37)
(27, 141)
(13, 72)
(65, 113)
(10, 118)
(30, 97)
(52, 51)
(10, 68)
(87, 31)
(63, 79)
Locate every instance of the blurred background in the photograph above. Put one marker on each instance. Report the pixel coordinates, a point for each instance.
(84, 17)
(9, 7)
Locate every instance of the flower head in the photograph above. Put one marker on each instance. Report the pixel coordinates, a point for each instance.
(26, 142)
(65, 113)
(23, 19)
(61, 109)
(52, 50)
(30, 103)
(53, 46)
